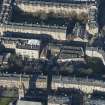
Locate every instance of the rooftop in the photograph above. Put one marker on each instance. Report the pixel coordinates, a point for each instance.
(97, 102)
(21, 102)
(30, 45)
(58, 99)
(68, 80)
(19, 35)
(33, 42)
(68, 52)
(16, 77)
(63, 1)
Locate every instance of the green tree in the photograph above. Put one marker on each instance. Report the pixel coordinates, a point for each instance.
(96, 65)
(42, 16)
(87, 72)
(73, 15)
(82, 17)
(52, 14)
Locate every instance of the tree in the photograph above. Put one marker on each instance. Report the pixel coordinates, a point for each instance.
(82, 17)
(87, 72)
(73, 15)
(1, 47)
(42, 16)
(52, 14)
(96, 65)
(15, 60)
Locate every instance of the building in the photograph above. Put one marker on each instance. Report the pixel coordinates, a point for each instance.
(67, 50)
(57, 6)
(85, 85)
(62, 8)
(96, 102)
(21, 89)
(10, 42)
(71, 53)
(59, 100)
(22, 102)
(4, 59)
(92, 23)
(1, 59)
(38, 82)
(31, 49)
(54, 49)
(41, 82)
(14, 81)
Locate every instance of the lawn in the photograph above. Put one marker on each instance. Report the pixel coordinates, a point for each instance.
(5, 101)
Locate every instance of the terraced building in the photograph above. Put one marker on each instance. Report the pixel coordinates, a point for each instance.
(47, 17)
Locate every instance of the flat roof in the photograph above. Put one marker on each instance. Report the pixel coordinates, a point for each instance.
(21, 102)
(33, 42)
(58, 99)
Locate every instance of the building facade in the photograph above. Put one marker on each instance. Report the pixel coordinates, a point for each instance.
(30, 50)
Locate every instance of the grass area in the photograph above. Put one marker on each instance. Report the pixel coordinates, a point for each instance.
(7, 95)
(5, 101)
